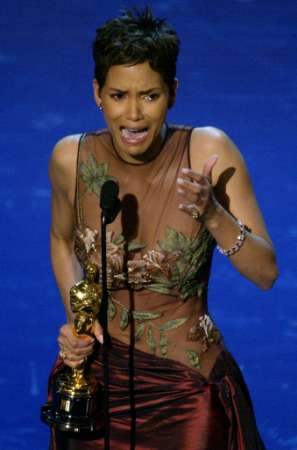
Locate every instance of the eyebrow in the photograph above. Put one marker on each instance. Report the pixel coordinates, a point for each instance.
(147, 91)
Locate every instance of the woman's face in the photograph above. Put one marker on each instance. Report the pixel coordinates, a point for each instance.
(135, 102)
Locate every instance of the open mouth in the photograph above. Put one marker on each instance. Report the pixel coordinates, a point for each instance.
(134, 135)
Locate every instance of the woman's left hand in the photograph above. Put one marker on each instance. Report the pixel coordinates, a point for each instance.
(197, 190)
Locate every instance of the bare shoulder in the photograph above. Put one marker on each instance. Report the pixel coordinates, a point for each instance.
(65, 152)
(207, 141)
(62, 167)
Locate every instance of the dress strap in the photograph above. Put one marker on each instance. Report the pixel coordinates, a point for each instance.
(189, 147)
(79, 221)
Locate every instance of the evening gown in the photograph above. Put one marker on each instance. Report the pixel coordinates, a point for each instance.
(173, 384)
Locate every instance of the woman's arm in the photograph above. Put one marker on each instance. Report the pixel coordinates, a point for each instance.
(62, 173)
(65, 265)
(221, 188)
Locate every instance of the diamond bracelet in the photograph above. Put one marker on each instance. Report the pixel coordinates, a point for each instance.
(238, 243)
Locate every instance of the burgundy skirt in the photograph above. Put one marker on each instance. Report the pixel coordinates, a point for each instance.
(161, 404)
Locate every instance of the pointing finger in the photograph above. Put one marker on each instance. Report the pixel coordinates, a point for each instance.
(209, 165)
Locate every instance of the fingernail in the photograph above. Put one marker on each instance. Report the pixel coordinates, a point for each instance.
(100, 339)
(180, 181)
(185, 170)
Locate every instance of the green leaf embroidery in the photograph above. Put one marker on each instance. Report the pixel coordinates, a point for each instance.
(170, 243)
(160, 289)
(175, 273)
(183, 241)
(134, 246)
(162, 280)
(164, 345)
(118, 239)
(146, 315)
(194, 254)
(150, 339)
(94, 174)
(193, 358)
(139, 330)
(172, 324)
(124, 321)
(112, 310)
(188, 289)
(131, 246)
(194, 258)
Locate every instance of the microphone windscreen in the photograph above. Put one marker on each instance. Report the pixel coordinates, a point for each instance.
(109, 195)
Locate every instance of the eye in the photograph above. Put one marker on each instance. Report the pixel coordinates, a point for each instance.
(151, 97)
(117, 96)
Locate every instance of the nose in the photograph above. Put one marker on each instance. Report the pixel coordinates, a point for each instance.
(134, 109)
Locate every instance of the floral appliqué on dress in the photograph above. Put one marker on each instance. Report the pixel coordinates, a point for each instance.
(175, 268)
(205, 332)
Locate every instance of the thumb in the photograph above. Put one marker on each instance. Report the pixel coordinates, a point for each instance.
(98, 332)
(209, 165)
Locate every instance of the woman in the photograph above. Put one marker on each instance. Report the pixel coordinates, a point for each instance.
(182, 190)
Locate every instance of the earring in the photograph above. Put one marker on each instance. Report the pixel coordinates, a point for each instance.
(100, 107)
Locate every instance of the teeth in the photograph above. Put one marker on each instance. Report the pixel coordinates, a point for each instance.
(134, 134)
(135, 130)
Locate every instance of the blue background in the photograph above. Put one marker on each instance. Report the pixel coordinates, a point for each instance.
(237, 71)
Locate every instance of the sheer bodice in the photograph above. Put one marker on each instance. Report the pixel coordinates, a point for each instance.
(158, 257)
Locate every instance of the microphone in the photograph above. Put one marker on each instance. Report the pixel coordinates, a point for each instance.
(109, 201)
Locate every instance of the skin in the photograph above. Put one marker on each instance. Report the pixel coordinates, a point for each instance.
(137, 97)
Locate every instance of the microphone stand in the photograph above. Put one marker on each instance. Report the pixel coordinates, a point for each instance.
(104, 321)
(110, 206)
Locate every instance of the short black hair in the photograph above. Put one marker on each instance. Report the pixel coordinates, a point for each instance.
(136, 37)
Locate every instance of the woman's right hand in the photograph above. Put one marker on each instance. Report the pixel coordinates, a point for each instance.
(75, 349)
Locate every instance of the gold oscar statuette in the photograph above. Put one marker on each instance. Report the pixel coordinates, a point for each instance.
(76, 399)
